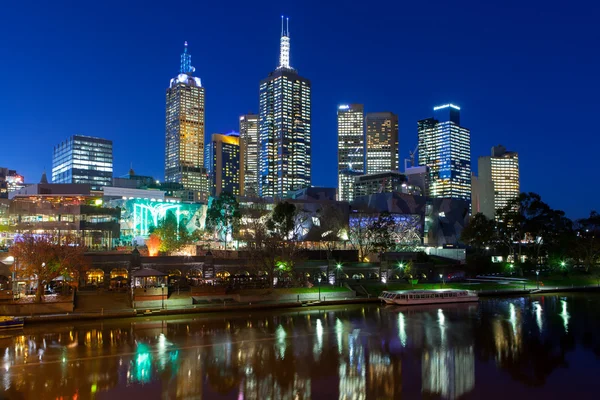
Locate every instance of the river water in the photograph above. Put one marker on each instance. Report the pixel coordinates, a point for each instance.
(505, 347)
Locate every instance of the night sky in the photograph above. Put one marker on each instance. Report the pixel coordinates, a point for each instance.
(524, 73)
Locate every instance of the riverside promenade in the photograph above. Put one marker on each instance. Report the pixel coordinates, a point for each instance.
(112, 311)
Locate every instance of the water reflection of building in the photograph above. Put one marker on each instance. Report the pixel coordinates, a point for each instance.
(450, 373)
(352, 374)
(384, 377)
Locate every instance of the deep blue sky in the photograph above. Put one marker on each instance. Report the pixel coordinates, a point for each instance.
(524, 73)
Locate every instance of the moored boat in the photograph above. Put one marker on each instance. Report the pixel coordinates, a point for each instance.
(440, 296)
(11, 322)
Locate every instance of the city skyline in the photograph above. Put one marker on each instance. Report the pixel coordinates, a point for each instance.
(531, 124)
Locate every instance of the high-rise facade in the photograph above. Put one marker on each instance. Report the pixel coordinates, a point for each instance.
(284, 152)
(499, 181)
(382, 142)
(249, 134)
(83, 159)
(184, 150)
(445, 147)
(227, 158)
(351, 148)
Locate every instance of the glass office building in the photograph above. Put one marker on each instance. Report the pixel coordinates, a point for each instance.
(227, 159)
(83, 159)
(445, 147)
(249, 134)
(184, 144)
(382, 142)
(351, 148)
(284, 152)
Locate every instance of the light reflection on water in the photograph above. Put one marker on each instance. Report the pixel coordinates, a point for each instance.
(363, 352)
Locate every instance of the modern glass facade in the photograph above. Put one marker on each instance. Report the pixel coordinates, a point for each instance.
(351, 148)
(83, 159)
(249, 134)
(227, 155)
(184, 150)
(284, 152)
(501, 171)
(445, 147)
(382, 142)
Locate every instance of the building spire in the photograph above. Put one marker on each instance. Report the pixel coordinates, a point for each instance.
(284, 45)
(186, 61)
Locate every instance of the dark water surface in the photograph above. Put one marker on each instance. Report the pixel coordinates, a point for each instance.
(545, 347)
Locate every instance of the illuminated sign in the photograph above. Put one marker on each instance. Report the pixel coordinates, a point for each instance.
(344, 107)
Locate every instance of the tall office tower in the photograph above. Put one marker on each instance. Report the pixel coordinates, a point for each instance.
(249, 134)
(351, 148)
(284, 152)
(83, 159)
(184, 152)
(498, 180)
(382, 142)
(445, 147)
(227, 155)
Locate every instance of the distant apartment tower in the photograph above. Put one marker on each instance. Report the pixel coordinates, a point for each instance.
(284, 152)
(184, 150)
(249, 134)
(445, 147)
(227, 155)
(83, 159)
(498, 182)
(382, 142)
(351, 148)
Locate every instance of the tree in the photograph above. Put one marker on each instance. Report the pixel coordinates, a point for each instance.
(370, 233)
(47, 257)
(173, 234)
(153, 243)
(587, 241)
(533, 227)
(480, 233)
(332, 224)
(223, 216)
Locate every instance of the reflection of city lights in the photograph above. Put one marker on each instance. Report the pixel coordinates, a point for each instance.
(451, 373)
(402, 329)
(339, 329)
(281, 343)
(565, 315)
(441, 323)
(319, 345)
(538, 315)
(513, 318)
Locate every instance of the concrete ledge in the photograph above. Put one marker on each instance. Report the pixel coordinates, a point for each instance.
(35, 308)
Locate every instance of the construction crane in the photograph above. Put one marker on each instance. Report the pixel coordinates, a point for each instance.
(411, 158)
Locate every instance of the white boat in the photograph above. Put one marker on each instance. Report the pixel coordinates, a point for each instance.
(11, 322)
(439, 296)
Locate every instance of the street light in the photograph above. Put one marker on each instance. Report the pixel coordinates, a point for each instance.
(319, 279)
(162, 294)
(337, 275)
(442, 279)
(537, 276)
(563, 264)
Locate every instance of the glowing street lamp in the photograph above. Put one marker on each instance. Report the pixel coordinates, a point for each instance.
(337, 275)
(319, 279)
(537, 275)
(442, 279)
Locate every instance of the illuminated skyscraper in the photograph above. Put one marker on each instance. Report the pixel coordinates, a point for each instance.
(445, 147)
(184, 152)
(351, 148)
(498, 181)
(249, 134)
(227, 158)
(382, 142)
(284, 152)
(83, 159)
